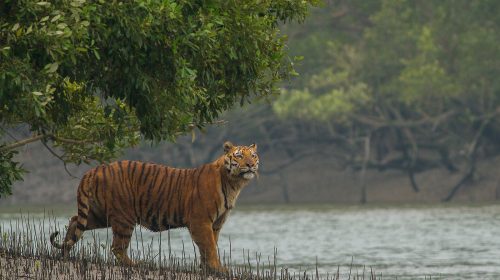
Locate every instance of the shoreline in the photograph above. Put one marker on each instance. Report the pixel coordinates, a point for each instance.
(51, 267)
(14, 268)
(48, 267)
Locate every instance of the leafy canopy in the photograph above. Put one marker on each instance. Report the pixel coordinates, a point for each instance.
(92, 76)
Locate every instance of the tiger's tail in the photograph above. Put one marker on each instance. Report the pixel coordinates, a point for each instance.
(77, 224)
(53, 241)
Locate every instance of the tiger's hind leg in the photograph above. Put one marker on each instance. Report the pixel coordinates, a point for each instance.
(77, 223)
(122, 233)
(69, 234)
(70, 237)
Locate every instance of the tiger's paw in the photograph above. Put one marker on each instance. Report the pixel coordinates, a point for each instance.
(216, 271)
(122, 258)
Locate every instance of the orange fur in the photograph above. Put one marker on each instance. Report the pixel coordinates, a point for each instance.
(124, 194)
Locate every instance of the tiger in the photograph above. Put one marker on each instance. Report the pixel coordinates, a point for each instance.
(126, 193)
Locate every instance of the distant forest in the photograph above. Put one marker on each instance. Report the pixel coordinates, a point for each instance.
(381, 86)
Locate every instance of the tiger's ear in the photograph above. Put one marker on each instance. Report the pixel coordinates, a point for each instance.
(228, 146)
(253, 146)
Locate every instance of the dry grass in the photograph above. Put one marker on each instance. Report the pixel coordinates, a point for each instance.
(25, 253)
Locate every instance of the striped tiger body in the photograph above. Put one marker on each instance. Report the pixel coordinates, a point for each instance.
(124, 194)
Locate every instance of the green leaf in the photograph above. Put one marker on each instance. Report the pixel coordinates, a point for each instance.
(51, 67)
(43, 3)
(55, 18)
(15, 27)
(29, 30)
(96, 53)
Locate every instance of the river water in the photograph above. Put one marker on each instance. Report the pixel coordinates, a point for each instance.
(403, 242)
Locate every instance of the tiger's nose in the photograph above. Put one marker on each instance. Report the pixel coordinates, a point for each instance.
(250, 164)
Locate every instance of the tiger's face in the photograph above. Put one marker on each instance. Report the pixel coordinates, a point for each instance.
(241, 161)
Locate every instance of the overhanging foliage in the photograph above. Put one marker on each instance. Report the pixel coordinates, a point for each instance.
(91, 75)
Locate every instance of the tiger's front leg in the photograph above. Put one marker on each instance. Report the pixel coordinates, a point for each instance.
(217, 226)
(203, 236)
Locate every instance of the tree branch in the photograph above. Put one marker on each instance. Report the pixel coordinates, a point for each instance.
(471, 158)
(71, 141)
(60, 158)
(41, 137)
(413, 154)
(467, 177)
(22, 142)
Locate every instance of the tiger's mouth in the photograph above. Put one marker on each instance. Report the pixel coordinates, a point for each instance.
(248, 174)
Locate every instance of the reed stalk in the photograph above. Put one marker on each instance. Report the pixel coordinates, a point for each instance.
(26, 253)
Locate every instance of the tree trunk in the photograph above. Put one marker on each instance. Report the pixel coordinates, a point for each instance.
(471, 157)
(363, 199)
(467, 177)
(284, 188)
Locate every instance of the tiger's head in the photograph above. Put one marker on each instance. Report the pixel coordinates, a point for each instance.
(241, 161)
